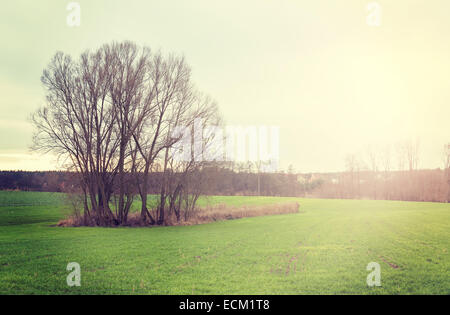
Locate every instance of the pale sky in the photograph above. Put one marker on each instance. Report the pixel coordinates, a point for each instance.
(334, 84)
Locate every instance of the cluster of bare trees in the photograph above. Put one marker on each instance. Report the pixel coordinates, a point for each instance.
(378, 176)
(112, 116)
(420, 185)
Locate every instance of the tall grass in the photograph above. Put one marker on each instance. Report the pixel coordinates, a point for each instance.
(209, 213)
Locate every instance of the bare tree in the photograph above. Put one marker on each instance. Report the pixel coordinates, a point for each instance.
(183, 178)
(353, 167)
(77, 123)
(169, 98)
(447, 168)
(173, 103)
(386, 163)
(400, 154)
(411, 150)
(373, 156)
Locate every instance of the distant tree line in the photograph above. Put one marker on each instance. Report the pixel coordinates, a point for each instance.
(34, 181)
(216, 181)
(419, 185)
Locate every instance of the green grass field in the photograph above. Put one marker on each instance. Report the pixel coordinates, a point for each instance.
(324, 249)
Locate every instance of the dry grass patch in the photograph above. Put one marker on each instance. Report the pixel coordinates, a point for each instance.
(224, 212)
(203, 215)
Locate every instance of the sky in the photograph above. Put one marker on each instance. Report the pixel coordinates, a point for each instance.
(334, 84)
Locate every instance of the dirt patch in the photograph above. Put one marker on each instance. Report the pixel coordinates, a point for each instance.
(392, 265)
(291, 263)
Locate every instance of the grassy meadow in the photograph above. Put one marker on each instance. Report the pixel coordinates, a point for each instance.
(323, 249)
